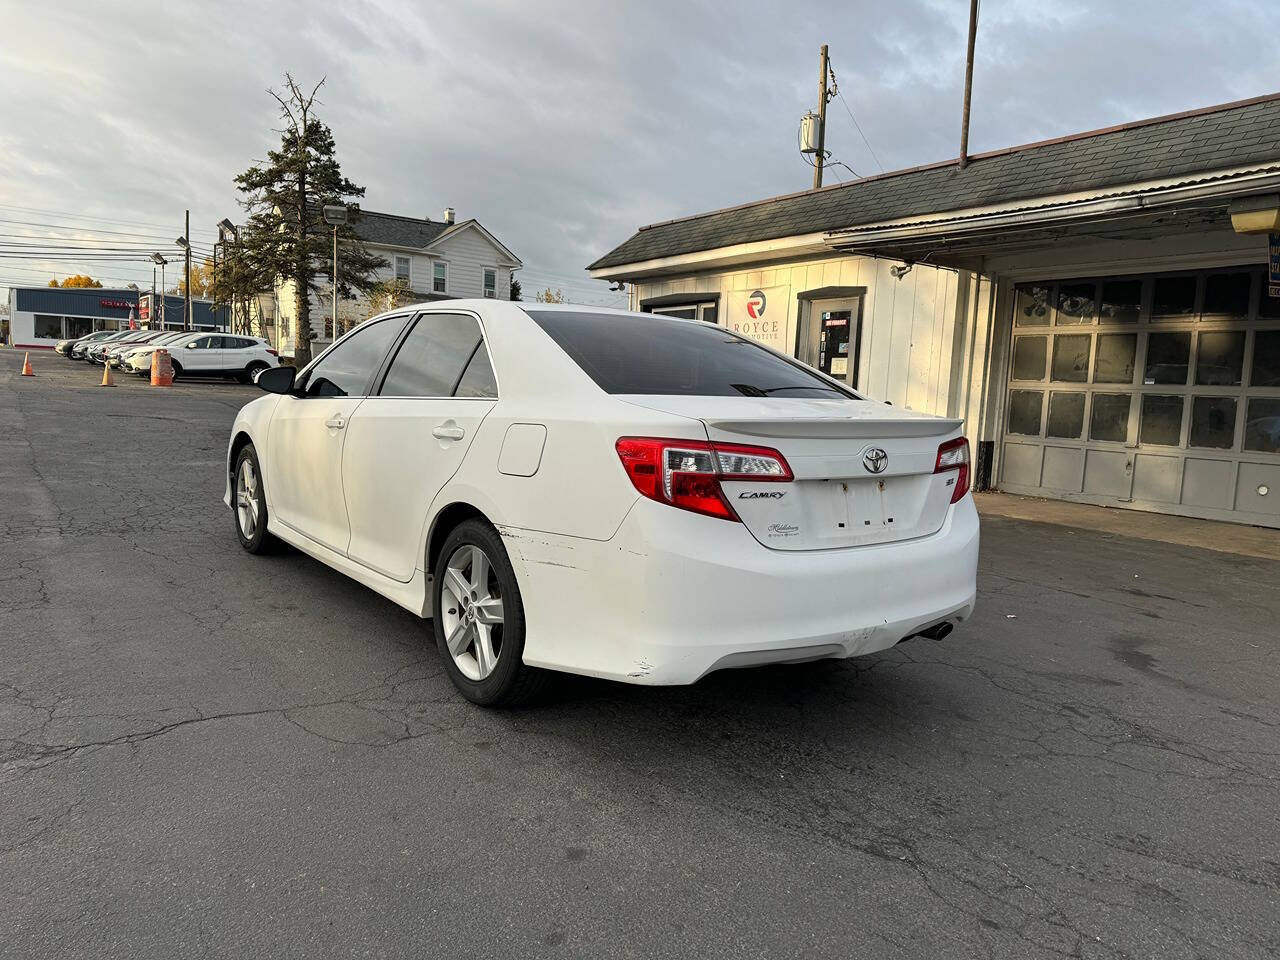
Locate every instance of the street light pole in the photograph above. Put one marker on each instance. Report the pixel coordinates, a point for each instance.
(156, 258)
(335, 215)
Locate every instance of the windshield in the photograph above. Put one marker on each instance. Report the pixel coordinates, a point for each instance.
(646, 354)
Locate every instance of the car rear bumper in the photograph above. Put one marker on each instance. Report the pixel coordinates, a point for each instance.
(673, 595)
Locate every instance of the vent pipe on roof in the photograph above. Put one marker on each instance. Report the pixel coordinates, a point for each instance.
(968, 84)
(448, 214)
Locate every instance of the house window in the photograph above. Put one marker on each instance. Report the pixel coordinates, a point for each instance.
(490, 282)
(402, 269)
(439, 276)
(690, 311)
(47, 327)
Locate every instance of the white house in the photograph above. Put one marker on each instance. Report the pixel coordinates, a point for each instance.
(1099, 309)
(437, 259)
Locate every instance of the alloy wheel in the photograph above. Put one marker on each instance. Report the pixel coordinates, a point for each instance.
(248, 509)
(471, 612)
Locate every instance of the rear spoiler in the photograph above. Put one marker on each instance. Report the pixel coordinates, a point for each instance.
(839, 428)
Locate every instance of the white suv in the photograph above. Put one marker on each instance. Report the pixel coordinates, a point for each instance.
(212, 355)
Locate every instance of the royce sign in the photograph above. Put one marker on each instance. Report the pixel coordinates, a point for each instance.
(760, 314)
(116, 304)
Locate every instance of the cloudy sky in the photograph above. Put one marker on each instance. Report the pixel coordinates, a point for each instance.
(560, 125)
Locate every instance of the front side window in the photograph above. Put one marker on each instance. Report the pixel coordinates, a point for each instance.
(433, 356)
(649, 354)
(203, 343)
(346, 369)
(402, 269)
(439, 276)
(490, 282)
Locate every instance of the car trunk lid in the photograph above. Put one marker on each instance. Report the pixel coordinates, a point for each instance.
(864, 471)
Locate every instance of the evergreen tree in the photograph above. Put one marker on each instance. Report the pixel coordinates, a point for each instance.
(286, 234)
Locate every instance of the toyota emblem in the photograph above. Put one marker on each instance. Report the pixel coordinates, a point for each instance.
(875, 460)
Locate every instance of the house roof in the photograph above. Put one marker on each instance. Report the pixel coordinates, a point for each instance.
(1212, 138)
(397, 231)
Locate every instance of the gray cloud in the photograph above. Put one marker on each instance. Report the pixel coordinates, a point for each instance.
(564, 125)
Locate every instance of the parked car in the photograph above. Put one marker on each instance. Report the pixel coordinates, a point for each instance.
(97, 351)
(213, 355)
(79, 349)
(118, 356)
(621, 495)
(111, 352)
(63, 347)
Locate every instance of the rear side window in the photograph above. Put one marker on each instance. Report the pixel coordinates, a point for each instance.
(653, 355)
(478, 380)
(433, 357)
(345, 371)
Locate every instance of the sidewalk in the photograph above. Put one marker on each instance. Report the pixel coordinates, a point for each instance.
(1206, 534)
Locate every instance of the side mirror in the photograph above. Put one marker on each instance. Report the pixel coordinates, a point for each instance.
(277, 379)
(190, 346)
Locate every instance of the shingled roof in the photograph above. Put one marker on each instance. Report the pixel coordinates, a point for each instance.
(397, 231)
(1213, 138)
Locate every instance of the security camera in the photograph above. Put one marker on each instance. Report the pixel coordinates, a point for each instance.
(899, 272)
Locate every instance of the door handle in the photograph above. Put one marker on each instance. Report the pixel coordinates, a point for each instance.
(335, 423)
(446, 432)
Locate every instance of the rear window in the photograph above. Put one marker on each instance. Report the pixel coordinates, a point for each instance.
(652, 355)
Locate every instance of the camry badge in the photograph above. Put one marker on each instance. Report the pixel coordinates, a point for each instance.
(875, 460)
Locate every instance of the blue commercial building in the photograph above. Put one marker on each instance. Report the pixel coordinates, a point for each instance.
(41, 316)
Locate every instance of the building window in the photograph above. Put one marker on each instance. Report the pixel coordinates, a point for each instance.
(689, 311)
(402, 269)
(490, 282)
(439, 277)
(47, 327)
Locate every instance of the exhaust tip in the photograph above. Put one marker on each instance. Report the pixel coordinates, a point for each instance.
(939, 631)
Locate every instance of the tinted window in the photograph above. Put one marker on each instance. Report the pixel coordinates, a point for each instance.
(1266, 359)
(478, 379)
(345, 370)
(652, 355)
(432, 357)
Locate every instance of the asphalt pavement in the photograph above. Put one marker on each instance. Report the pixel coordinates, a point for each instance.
(205, 753)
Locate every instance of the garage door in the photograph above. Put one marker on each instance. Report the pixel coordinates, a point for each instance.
(1158, 392)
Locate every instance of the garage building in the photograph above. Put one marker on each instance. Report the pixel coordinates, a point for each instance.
(1085, 304)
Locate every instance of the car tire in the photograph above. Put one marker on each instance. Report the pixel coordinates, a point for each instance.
(177, 367)
(251, 371)
(250, 516)
(508, 681)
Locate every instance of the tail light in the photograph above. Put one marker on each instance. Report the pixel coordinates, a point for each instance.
(687, 473)
(272, 352)
(954, 455)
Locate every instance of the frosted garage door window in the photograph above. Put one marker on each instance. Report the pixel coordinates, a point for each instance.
(1266, 359)
(1161, 420)
(1071, 358)
(1066, 415)
(1220, 358)
(1024, 412)
(1114, 363)
(1076, 302)
(1213, 422)
(1168, 355)
(1226, 296)
(1262, 426)
(1110, 419)
(1028, 358)
(1032, 308)
(1121, 301)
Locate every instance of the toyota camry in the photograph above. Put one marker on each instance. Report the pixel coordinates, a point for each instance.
(622, 495)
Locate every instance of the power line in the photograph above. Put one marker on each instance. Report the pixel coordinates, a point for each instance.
(84, 216)
(857, 126)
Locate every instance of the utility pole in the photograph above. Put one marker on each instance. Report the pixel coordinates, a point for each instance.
(153, 318)
(968, 84)
(186, 313)
(820, 156)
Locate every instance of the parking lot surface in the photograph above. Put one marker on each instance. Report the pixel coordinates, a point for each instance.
(204, 753)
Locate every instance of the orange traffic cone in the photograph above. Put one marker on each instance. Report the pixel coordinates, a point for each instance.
(161, 369)
(106, 376)
(26, 366)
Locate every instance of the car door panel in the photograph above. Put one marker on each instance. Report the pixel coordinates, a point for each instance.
(304, 466)
(309, 431)
(399, 453)
(406, 443)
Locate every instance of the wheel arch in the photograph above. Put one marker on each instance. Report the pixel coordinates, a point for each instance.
(443, 524)
(238, 443)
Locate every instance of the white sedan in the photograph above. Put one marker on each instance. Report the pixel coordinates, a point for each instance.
(621, 495)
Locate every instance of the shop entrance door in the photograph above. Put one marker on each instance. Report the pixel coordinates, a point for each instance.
(837, 329)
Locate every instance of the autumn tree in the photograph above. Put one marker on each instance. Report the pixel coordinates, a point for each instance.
(201, 280)
(550, 296)
(77, 280)
(284, 196)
